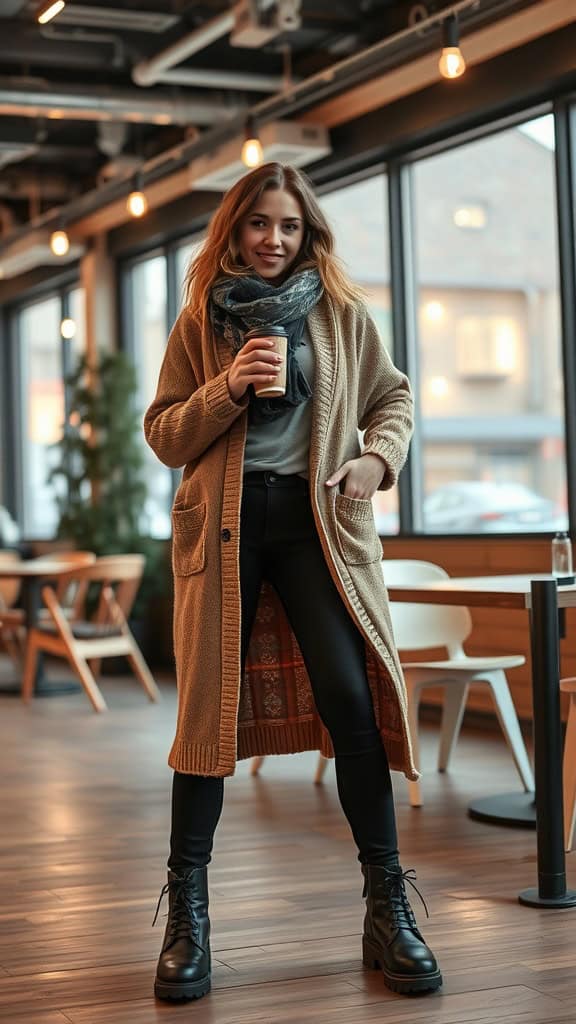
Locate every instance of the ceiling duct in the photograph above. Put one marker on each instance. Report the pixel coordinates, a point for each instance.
(257, 22)
(117, 19)
(287, 142)
(148, 72)
(251, 24)
(33, 98)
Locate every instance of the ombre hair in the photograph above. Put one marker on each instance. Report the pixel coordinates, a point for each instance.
(220, 252)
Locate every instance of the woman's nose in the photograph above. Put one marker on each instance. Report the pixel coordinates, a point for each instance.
(273, 234)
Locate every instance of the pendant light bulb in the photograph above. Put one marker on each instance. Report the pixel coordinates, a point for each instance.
(59, 243)
(68, 328)
(137, 204)
(252, 153)
(451, 63)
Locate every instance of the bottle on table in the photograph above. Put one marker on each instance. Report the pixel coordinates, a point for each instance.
(562, 567)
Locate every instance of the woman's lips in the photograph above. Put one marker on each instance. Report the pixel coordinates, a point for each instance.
(269, 257)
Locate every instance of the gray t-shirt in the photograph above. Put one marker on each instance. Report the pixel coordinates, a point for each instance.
(282, 445)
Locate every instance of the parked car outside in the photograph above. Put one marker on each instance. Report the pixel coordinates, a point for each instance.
(483, 506)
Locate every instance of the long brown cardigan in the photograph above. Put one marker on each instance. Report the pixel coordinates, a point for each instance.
(193, 422)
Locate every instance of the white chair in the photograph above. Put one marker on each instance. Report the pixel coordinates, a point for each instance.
(422, 626)
(569, 766)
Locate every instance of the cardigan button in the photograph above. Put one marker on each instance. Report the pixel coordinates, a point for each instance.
(226, 535)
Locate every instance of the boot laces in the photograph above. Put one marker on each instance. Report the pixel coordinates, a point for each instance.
(394, 889)
(181, 919)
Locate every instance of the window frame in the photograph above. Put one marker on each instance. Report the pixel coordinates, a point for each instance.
(14, 475)
(126, 266)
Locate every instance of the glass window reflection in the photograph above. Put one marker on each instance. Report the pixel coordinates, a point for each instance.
(491, 396)
(147, 281)
(42, 403)
(358, 216)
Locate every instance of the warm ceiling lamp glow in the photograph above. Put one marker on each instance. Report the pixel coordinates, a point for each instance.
(59, 243)
(434, 311)
(252, 153)
(470, 216)
(451, 63)
(68, 328)
(439, 387)
(49, 11)
(137, 204)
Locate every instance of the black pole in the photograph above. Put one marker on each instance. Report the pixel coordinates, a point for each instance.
(551, 890)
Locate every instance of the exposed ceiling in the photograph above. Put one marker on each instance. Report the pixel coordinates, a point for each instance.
(74, 107)
(106, 86)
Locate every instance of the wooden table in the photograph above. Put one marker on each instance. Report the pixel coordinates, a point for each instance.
(542, 597)
(32, 573)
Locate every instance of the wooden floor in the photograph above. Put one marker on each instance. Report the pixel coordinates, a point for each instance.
(84, 807)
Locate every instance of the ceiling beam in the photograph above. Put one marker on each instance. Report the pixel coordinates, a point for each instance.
(478, 46)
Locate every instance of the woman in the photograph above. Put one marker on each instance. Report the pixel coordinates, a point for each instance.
(282, 635)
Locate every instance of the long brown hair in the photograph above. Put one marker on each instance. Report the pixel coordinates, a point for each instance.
(220, 253)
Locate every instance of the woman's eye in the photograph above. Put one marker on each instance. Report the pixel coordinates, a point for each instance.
(290, 227)
(257, 223)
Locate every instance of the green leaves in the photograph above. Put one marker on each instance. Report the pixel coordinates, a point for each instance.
(100, 480)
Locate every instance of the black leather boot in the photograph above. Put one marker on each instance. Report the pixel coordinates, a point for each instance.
(183, 970)
(391, 938)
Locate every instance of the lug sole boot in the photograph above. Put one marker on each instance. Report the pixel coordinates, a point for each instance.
(183, 970)
(391, 940)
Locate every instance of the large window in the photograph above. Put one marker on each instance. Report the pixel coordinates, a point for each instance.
(50, 336)
(148, 326)
(148, 329)
(75, 312)
(488, 371)
(358, 217)
(491, 396)
(184, 254)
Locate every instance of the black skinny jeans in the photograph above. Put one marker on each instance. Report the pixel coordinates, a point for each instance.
(279, 542)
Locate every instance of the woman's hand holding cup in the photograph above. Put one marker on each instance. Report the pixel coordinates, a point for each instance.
(256, 363)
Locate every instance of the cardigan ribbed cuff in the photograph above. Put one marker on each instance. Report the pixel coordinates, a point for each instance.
(219, 401)
(389, 453)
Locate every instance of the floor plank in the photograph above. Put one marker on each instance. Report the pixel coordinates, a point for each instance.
(85, 812)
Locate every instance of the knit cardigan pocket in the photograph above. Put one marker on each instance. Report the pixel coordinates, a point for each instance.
(357, 537)
(189, 539)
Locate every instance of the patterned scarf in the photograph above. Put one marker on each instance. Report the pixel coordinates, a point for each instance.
(239, 303)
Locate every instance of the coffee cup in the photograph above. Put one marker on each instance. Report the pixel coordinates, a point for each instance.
(277, 387)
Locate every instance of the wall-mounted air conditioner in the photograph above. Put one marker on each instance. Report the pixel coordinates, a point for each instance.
(287, 142)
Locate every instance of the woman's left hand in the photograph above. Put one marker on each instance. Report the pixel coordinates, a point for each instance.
(363, 476)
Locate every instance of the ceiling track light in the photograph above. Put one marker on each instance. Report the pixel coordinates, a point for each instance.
(137, 203)
(47, 11)
(451, 63)
(252, 153)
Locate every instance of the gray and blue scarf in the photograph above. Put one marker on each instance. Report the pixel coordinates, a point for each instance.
(239, 303)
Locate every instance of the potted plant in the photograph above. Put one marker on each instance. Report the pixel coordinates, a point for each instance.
(100, 478)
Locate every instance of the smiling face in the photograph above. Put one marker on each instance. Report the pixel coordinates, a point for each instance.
(270, 236)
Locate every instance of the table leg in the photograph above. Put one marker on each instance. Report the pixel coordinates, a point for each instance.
(31, 605)
(551, 891)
